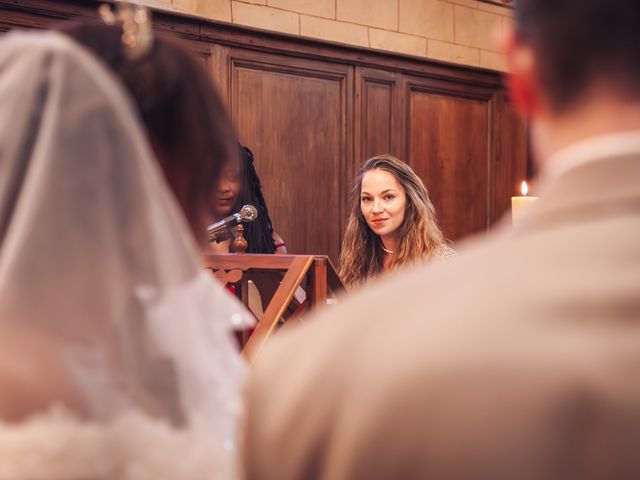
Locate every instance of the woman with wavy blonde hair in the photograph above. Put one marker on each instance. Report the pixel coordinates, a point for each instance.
(392, 222)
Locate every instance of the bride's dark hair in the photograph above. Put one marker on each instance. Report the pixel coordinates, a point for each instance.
(185, 118)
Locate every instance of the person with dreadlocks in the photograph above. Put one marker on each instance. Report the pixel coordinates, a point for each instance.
(238, 186)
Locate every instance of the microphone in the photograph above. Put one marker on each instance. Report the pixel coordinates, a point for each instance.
(219, 231)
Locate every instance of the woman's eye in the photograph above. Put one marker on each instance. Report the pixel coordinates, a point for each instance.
(389, 197)
(365, 199)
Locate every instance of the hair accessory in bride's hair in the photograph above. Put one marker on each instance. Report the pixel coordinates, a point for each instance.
(137, 35)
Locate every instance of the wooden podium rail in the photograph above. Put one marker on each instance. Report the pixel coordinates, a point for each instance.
(279, 277)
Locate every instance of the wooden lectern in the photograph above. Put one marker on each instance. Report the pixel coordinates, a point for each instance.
(277, 278)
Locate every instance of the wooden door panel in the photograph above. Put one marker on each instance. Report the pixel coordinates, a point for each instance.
(378, 128)
(449, 149)
(376, 136)
(511, 159)
(293, 115)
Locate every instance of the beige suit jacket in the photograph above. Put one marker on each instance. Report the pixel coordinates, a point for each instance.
(520, 359)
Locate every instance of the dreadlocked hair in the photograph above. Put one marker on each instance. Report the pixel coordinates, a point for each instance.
(259, 233)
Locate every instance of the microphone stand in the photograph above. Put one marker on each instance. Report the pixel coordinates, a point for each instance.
(221, 231)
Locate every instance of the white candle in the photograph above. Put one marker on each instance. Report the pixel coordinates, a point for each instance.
(520, 204)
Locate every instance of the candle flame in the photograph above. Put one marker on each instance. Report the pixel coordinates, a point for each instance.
(524, 189)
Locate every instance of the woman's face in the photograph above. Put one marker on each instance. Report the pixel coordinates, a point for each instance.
(228, 190)
(383, 202)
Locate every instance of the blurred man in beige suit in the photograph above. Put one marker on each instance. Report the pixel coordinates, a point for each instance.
(521, 358)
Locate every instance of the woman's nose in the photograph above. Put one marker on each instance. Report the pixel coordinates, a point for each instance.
(377, 206)
(224, 187)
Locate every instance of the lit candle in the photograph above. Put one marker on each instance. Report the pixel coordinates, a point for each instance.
(519, 204)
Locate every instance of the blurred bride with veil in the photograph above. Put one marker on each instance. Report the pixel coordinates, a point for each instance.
(116, 360)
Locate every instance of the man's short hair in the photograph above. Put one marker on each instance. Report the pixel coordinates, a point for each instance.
(580, 43)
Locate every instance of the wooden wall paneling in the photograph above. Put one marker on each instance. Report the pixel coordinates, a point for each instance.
(215, 59)
(219, 68)
(447, 117)
(379, 119)
(511, 157)
(296, 116)
(450, 146)
(204, 52)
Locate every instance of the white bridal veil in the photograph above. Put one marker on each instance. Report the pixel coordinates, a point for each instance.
(100, 272)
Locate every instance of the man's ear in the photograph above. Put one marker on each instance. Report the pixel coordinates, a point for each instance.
(521, 81)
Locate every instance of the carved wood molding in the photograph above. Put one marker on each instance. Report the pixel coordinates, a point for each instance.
(502, 3)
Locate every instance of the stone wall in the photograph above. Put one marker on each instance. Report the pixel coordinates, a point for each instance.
(458, 31)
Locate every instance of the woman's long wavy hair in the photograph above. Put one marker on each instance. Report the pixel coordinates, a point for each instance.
(419, 235)
(184, 116)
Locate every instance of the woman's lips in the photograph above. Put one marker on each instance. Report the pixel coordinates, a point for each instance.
(379, 221)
